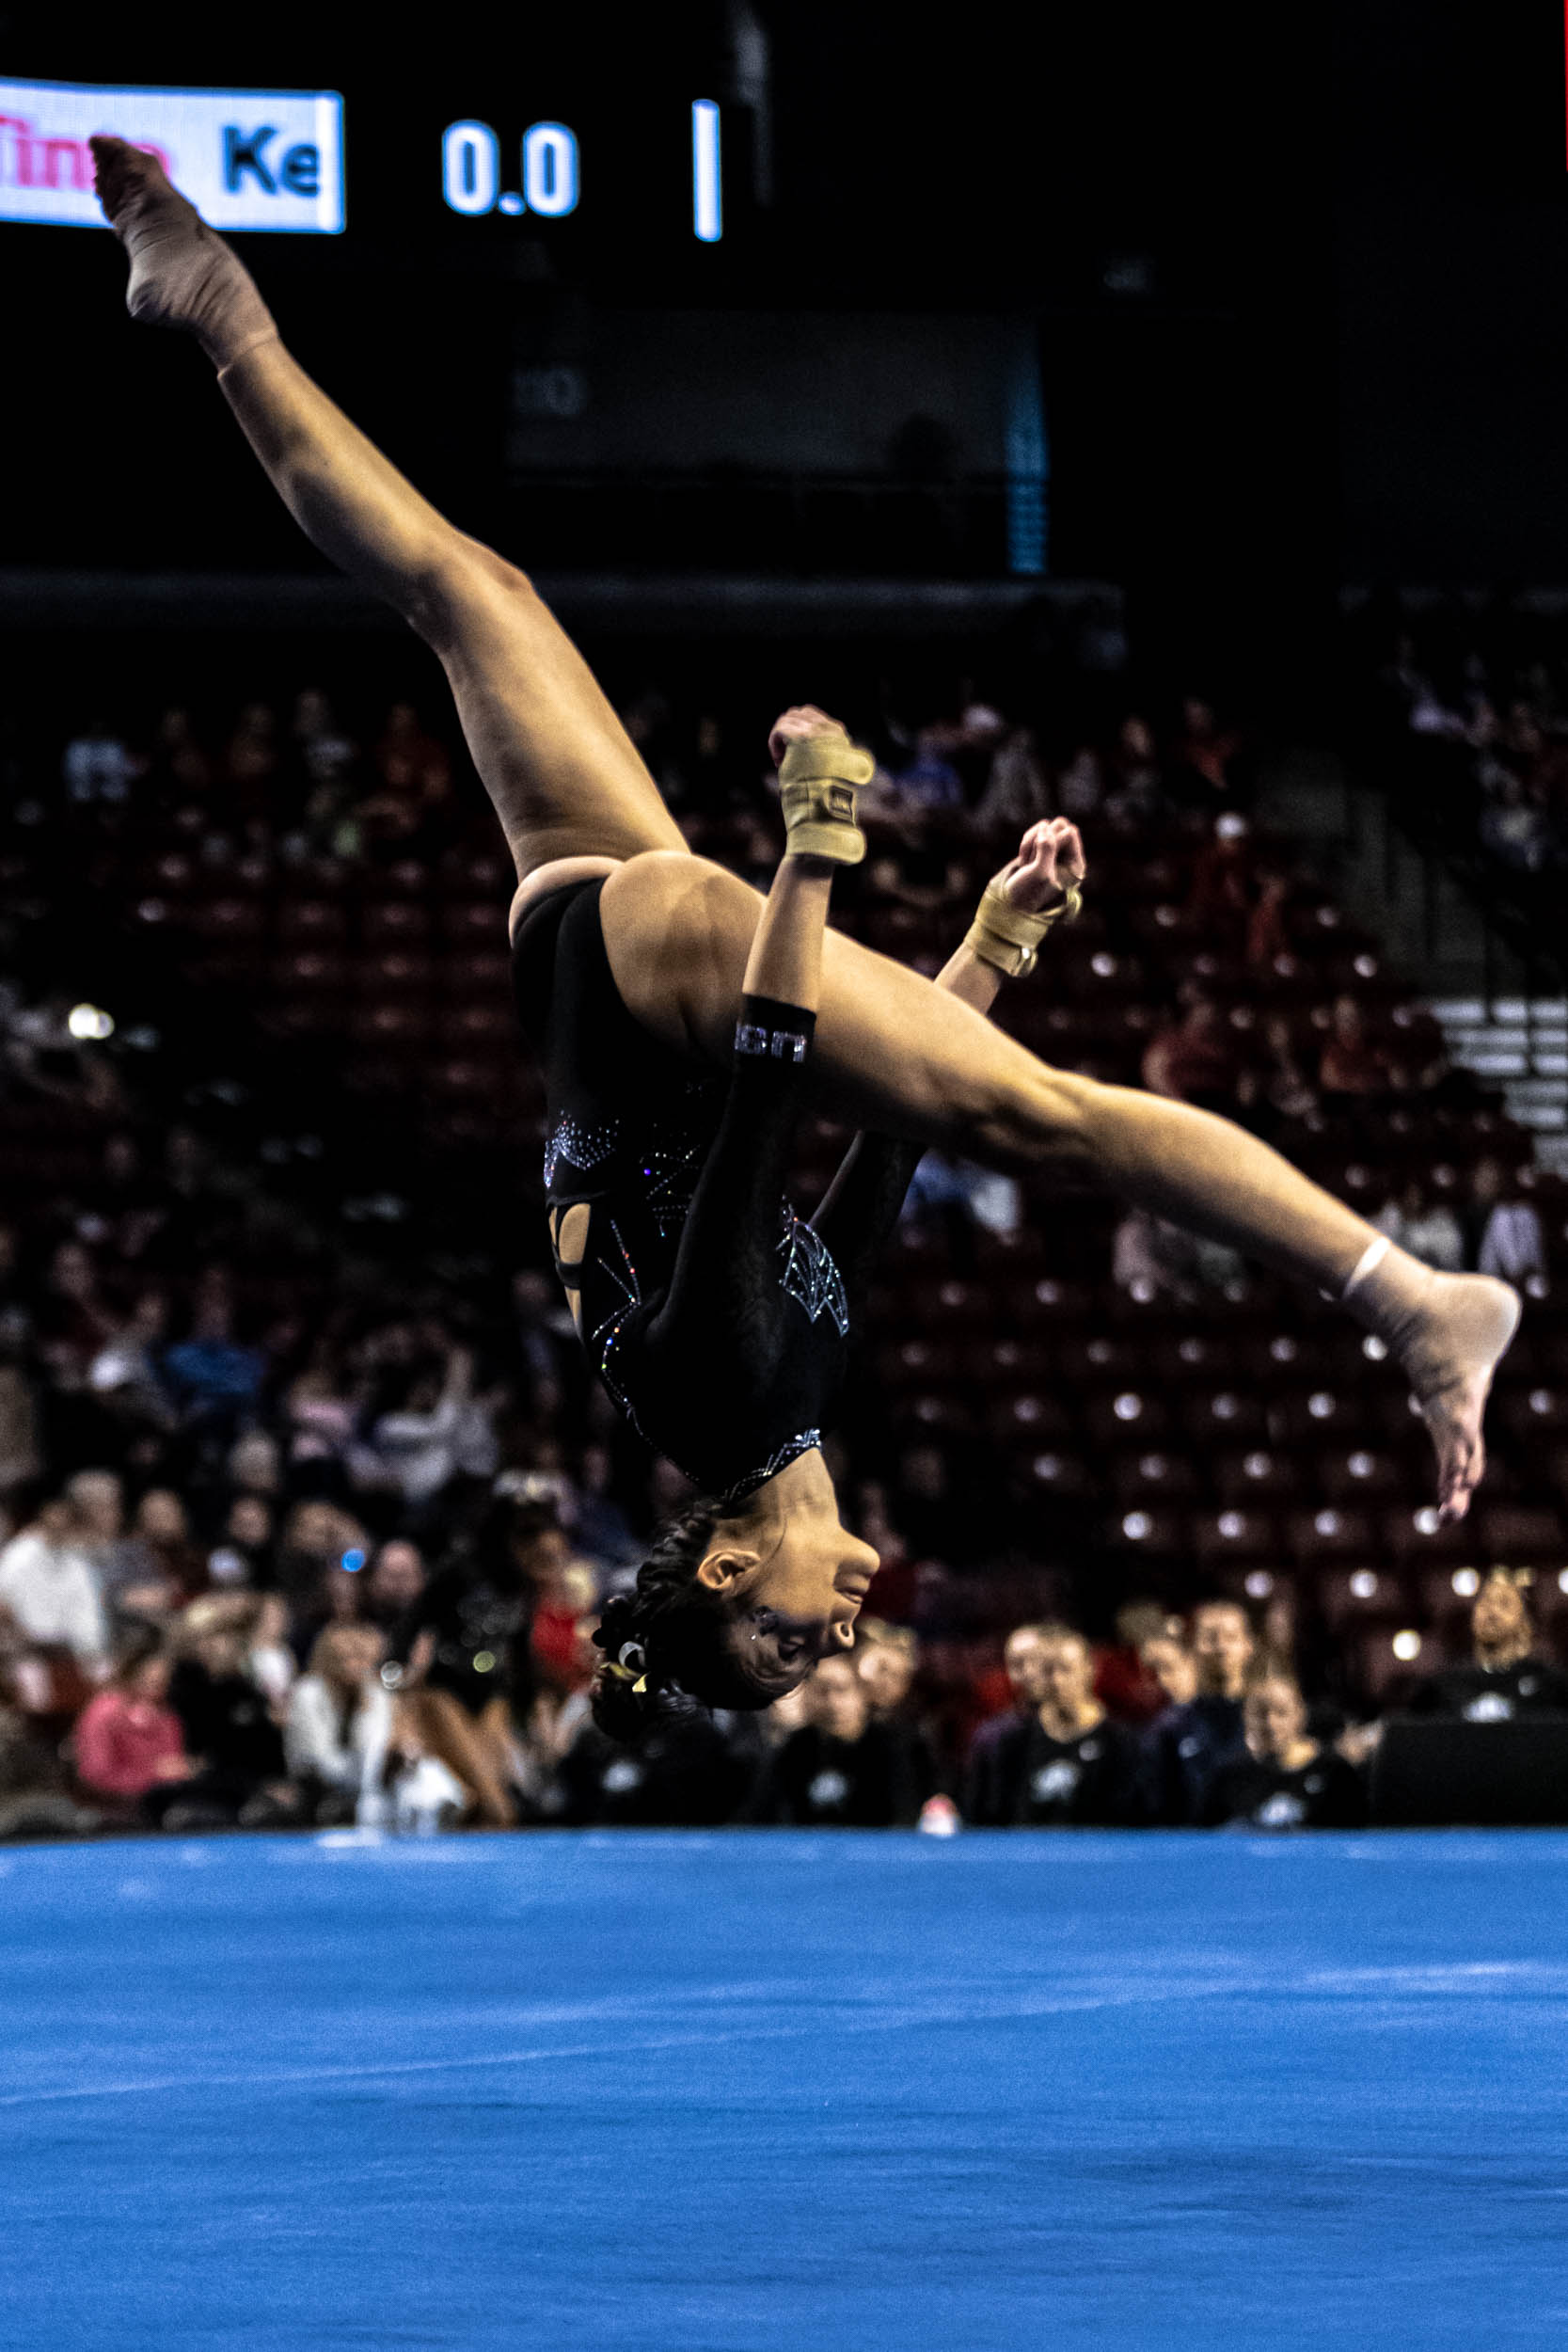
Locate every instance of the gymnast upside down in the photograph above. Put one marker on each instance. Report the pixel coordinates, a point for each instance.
(684, 1021)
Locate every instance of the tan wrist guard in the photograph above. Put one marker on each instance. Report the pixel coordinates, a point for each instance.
(1008, 940)
(817, 788)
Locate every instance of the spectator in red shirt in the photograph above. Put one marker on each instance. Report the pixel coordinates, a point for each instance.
(1191, 1058)
(1351, 1064)
(128, 1740)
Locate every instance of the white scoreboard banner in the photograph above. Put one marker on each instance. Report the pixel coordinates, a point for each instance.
(247, 159)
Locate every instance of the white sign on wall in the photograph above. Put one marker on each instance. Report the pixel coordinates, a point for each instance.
(247, 159)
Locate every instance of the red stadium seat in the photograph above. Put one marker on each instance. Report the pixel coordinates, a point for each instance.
(1232, 1535)
(1148, 1531)
(1030, 1418)
(1314, 1417)
(934, 1413)
(1227, 1417)
(393, 923)
(1387, 1661)
(1257, 1478)
(1348, 1597)
(310, 969)
(1416, 1536)
(1515, 1535)
(476, 972)
(310, 922)
(1065, 1477)
(915, 1363)
(394, 970)
(1090, 1358)
(1123, 1417)
(386, 1027)
(1536, 1416)
(1360, 1477)
(1152, 1479)
(1005, 1363)
(473, 923)
(1329, 1534)
(1188, 1356)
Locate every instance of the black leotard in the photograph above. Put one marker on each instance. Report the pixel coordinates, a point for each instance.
(716, 1318)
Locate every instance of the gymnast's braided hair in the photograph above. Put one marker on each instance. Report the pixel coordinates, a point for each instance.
(665, 1644)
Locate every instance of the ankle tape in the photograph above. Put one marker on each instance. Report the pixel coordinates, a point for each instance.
(1368, 1264)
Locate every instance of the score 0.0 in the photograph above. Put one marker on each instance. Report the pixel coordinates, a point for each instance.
(551, 176)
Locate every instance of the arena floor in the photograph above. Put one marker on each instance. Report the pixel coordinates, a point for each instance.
(750, 2092)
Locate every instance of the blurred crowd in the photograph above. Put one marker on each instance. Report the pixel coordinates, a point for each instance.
(1467, 701)
(307, 1519)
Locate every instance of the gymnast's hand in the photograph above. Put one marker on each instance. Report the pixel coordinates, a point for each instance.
(1050, 856)
(798, 726)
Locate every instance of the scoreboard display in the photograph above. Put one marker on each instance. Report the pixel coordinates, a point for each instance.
(275, 161)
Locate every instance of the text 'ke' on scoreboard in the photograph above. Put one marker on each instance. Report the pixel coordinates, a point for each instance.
(273, 159)
(247, 159)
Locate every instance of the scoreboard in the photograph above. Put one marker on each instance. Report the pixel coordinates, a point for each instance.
(275, 160)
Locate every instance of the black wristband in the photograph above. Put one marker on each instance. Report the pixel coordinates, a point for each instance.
(770, 1030)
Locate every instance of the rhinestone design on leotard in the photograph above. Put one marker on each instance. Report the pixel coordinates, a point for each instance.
(606, 1336)
(810, 1276)
(778, 1459)
(582, 1146)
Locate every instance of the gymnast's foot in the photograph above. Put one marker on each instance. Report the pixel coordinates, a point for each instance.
(1448, 1331)
(183, 274)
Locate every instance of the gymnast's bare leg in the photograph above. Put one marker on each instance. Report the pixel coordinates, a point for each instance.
(574, 799)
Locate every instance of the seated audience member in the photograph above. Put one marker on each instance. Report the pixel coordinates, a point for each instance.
(1503, 1233)
(1266, 935)
(1167, 1659)
(1064, 1764)
(1017, 794)
(1279, 1089)
(129, 1746)
(983, 1785)
(693, 1771)
(160, 1557)
(338, 1725)
(1196, 1739)
(887, 1658)
(1428, 1229)
(464, 1658)
(394, 1583)
(1192, 1060)
(269, 1659)
(48, 1584)
(601, 1528)
(1136, 791)
(1350, 1064)
(1513, 827)
(1286, 1780)
(422, 1430)
(243, 1554)
(1124, 1682)
(1505, 1677)
(1152, 1258)
(842, 1770)
(213, 1379)
(228, 1728)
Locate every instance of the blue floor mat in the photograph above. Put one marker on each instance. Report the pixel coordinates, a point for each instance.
(785, 2092)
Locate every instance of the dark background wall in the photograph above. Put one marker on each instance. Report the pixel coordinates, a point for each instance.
(1298, 293)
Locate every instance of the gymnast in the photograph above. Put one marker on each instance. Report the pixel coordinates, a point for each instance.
(683, 1023)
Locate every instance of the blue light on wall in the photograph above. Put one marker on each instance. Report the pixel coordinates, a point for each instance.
(1028, 454)
(708, 187)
